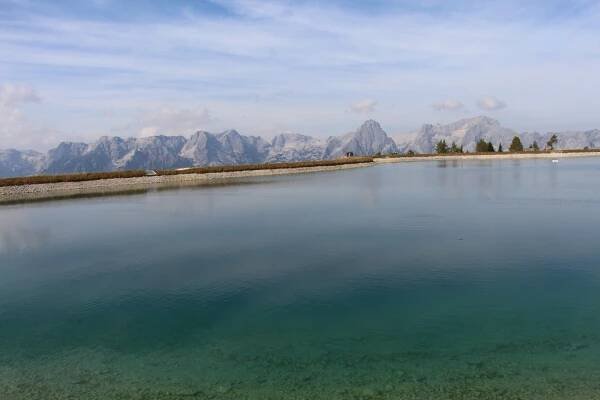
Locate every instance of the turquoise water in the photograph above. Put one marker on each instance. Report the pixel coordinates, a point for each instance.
(425, 280)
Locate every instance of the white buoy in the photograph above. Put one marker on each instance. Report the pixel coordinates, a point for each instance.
(554, 161)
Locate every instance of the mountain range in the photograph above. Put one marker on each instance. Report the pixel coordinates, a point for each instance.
(467, 132)
(202, 148)
(230, 147)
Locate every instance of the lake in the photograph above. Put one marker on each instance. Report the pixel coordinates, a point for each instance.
(424, 280)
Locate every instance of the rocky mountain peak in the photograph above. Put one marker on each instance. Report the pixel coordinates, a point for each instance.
(370, 124)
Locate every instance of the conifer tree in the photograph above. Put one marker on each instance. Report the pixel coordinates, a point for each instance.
(481, 147)
(441, 147)
(516, 145)
(553, 140)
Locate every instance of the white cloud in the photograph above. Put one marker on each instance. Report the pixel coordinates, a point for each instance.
(490, 103)
(364, 106)
(448, 105)
(172, 121)
(11, 96)
(17, 129)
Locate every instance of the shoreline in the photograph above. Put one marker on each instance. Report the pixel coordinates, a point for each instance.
(100, 187)
(491, 156)
(115, 186)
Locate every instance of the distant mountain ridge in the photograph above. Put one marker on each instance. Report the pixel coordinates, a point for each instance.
(230, 147)
(18, 163)
(202, 148)
(467, 132)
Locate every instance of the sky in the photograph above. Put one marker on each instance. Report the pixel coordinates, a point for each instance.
(76, 70)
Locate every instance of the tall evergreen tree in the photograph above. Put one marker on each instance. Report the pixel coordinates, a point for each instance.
(553, 140)
(516, 145)
(490, 147)
(441, 147)
(500, 149)
(455, 149)
(482, 146)
(535, 146)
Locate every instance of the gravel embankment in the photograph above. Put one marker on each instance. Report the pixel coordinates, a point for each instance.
(11, 194)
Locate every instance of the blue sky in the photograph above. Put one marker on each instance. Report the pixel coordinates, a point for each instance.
(75, 70)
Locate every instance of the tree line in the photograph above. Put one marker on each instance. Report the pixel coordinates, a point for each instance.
(483, 146)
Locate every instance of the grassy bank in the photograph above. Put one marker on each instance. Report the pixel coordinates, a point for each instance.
(41, 179)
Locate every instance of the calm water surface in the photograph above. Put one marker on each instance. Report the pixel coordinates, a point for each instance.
(430, 280)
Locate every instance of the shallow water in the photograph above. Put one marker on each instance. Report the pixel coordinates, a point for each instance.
(425, 280)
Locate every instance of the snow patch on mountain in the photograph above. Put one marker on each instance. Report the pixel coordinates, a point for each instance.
(288, 147)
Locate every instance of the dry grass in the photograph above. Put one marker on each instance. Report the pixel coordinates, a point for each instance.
(578, 151)
(92, 176)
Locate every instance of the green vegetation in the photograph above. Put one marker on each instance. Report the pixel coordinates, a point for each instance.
(534, 146)
(40, 179)
(553, 140)
(500, 149)
(441, 147)
(484, 147)
(516, 145)
(455, 149)
(481, 146)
